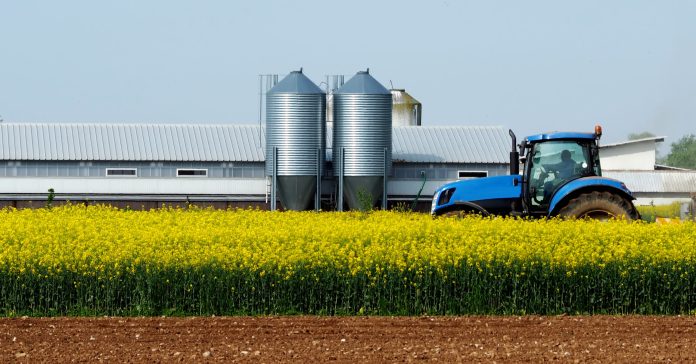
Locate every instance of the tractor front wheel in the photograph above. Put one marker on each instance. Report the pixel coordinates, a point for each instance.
(464, 212)
(601, 206)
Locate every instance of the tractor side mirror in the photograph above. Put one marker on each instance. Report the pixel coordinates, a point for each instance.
(523, 147)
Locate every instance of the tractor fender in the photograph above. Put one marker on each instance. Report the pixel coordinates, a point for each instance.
(586, 185)
(463, 205)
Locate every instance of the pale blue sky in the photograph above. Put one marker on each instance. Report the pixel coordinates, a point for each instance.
(529, 65)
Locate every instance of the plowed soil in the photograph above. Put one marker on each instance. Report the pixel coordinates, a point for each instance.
(628, 339)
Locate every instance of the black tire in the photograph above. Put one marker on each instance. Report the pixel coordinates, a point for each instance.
(599, 205)
(463, 213)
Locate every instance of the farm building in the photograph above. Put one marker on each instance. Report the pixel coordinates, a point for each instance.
(634, 163)
(222, 165)
(141, 165)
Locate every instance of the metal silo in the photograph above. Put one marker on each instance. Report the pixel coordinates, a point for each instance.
(362, 140)
(406, 110)
(295, 133)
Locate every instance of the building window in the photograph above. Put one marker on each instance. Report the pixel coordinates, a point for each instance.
(471, 174)
(190, 172)
(122, 172)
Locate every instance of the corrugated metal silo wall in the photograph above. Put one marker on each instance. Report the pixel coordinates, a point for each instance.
(295, 125)
(363, 126)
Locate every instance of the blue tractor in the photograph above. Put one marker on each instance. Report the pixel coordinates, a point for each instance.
(562, 177)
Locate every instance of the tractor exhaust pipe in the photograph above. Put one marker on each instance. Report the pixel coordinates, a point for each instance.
(514, 156)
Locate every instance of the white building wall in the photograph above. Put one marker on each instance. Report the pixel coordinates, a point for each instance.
(135, 186)
(631, 156)
(657, 199)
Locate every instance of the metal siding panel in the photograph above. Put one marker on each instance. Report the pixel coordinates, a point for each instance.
(35, 145)
(156, 136)
(168, 146)
(183, 149)
(237, 146)
(79, 137)
(240, 147)
(86, 142)
(198, 144)
(244, 144)
(230, 149)
(119, 139)
(478, 135)
(114, 145)
(29, 143)
(22, 144)
(13, 140)
(137, 145)
(250, 143)
(4, 147)
(224, 144)
(102, 143)
(75, 142)
(69, 142)
(227, 144)
(123, 142)
(209, 143)
(111, 147)
(15, 145)
(189, 138)
(126, 142)
(60, 143)
(151, 141)
(260, 144)
(192, 152)
(46, 142)
(453, 138)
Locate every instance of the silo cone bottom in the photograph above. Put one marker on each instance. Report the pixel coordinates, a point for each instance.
(362, 192)
(297, 192)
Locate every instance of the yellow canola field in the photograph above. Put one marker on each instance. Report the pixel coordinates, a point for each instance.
(90, 240)
(78, 260)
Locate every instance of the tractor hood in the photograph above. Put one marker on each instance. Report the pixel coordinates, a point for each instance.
(486, 193)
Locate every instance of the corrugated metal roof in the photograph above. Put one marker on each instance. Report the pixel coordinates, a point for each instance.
(132, 142)
(656, 139)
(229, 142)
(451, 144)
(656, 181)
(446, 144)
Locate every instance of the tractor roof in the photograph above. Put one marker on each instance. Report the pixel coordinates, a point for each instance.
(558, 135)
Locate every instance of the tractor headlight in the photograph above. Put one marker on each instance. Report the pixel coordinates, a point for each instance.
(434, 203)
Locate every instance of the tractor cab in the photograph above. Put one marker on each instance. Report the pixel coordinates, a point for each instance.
(553, 160)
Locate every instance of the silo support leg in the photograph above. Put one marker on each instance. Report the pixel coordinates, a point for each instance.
(317, 202)
(341, 158)
(274, 181)
(384, 190)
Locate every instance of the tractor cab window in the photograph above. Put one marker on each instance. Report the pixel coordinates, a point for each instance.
(552, 164)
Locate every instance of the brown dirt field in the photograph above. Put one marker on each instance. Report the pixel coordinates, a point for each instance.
(633, 339)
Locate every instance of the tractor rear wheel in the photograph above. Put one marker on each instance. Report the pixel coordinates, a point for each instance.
(601, 206)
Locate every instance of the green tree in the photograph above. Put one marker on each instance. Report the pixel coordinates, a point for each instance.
(641, 135)
(683, 153)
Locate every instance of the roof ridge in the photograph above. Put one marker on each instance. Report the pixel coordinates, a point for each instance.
(125, 124)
